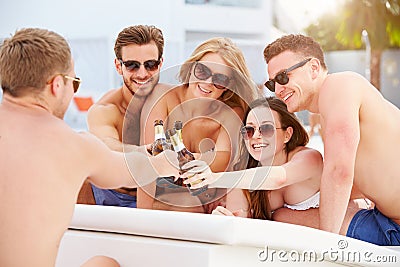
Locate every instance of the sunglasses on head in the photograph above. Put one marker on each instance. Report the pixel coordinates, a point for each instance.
(282, 77)
(266, 130)
(75, 82)
(133, 65)
(202, 72)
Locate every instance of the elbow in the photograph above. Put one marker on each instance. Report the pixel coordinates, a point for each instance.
(342, 175)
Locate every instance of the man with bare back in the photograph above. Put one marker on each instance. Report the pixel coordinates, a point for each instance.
(43, 162)
(361, 137)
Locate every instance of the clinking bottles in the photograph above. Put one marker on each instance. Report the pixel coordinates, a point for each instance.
(184, 156)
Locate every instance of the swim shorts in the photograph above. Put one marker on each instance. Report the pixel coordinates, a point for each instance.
(109, 197)
(374, 227)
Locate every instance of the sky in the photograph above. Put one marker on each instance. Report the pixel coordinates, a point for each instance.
(304, 12)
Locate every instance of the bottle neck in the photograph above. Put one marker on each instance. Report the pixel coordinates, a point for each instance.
(177, 143)
(159, 132)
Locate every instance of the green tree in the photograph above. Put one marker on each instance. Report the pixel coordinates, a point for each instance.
(343, 30)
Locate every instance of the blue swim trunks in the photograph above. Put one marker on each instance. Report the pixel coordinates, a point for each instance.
(374, 227)
(109, 197)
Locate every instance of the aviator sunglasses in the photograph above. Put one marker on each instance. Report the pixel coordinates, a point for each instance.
(266, 130)
(282, 77)
(75, 81)
(202, 72)
(133, 65)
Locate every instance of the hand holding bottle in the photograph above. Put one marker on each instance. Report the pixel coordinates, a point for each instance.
(198, 174)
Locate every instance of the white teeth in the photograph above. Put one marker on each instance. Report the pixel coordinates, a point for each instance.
(255, 146)
(287, 96)
(204, 90)
(141, 83)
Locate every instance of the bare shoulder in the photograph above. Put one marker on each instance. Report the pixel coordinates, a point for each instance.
(310, 154)
(344, 82)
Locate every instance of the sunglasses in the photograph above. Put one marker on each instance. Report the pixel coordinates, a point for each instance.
(75, 82)
(133, 65)
(266, 130)
(282, 77)
(202, 72)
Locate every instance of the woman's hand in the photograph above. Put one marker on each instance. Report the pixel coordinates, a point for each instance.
(224, 211)
(197, 174)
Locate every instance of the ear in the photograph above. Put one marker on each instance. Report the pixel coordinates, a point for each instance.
(118, 66)
(315, 67)
(288, 134)
(161, 62)
(57, 85)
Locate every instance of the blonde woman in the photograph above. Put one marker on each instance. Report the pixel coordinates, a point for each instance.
(210, 101)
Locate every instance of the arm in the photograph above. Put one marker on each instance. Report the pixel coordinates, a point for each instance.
(102, 121)
(130, 169)
(305, 164)
(340, 113)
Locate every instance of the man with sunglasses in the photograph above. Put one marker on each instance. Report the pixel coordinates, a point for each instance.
(115, 118)
(361, 138)
(43, 162)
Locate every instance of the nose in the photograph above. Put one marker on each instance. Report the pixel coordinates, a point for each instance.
(141, 72)
(257, 133)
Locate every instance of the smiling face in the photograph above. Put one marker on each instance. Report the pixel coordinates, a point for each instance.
(219, 71)
(296, 93)
(139, 81)
(265, 148)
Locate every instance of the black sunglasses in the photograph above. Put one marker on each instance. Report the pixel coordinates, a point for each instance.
(202, 72)
(75, 82)
(266, 130)
(133, 65)
(282, 78)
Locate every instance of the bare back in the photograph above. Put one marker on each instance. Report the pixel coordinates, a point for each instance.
(376, 172)
(43, 165)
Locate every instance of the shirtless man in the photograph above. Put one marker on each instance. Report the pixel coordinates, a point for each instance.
(43, 162)
(361, 137)
(138, 59)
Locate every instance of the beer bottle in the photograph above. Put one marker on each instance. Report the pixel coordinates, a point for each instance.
(184, 156)
(160, 143)
(178, 128)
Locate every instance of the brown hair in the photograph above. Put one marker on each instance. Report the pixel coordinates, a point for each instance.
(139, 35)
(297, 43)
(30, 57)
(258, 200)
(242, 89)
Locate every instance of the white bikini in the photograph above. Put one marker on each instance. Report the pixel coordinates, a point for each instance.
(311, 202)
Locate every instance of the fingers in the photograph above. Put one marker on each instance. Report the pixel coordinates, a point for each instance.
(195, 166)
(222, 211)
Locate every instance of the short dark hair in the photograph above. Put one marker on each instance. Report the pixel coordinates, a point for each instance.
(297, 43)
(140, 35)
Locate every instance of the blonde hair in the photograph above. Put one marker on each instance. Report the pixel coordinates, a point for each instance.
(29, 58)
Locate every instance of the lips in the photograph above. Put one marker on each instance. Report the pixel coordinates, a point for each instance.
(204, 91)
(287, 96)
(140, 83)
(259, 146)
